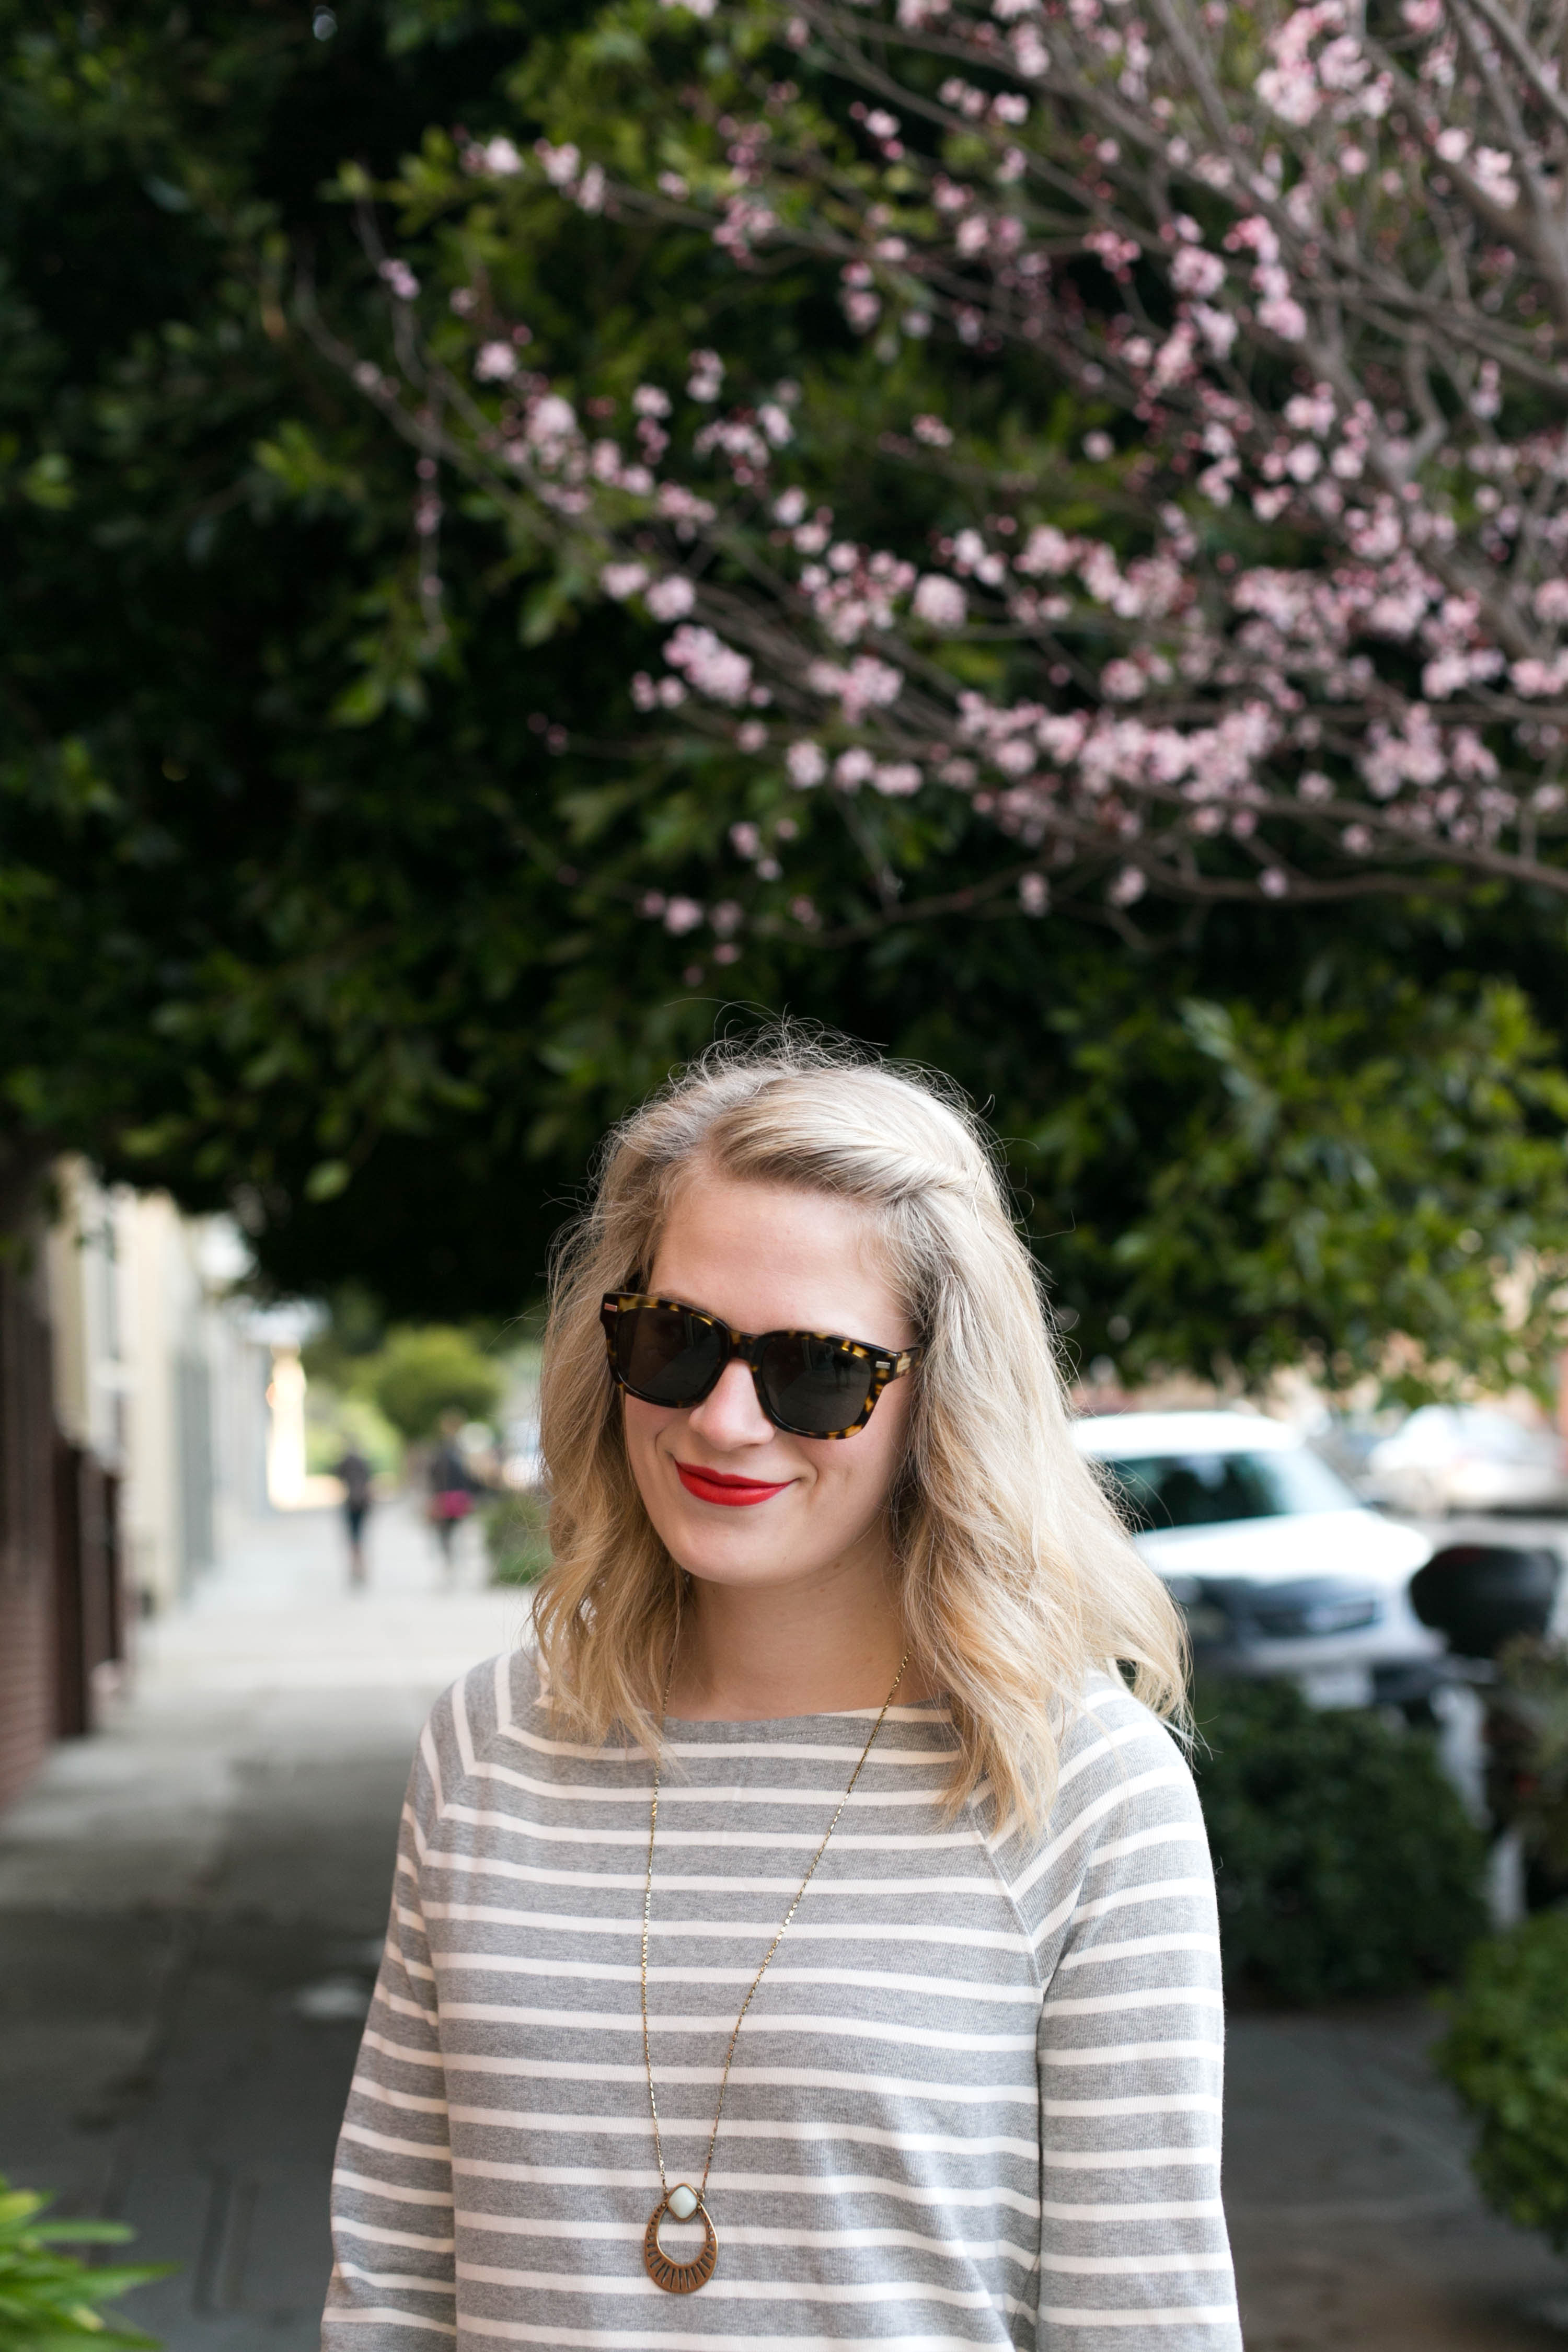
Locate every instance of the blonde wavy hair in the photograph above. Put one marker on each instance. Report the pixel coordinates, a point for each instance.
(1016, 1578)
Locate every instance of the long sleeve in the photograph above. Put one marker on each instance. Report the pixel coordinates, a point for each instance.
(1133, 2249)
(393, 2274)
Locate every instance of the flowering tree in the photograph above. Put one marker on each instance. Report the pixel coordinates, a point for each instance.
(343, 879)
(1286, 622)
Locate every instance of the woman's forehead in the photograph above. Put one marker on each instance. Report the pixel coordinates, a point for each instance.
(765, 1257)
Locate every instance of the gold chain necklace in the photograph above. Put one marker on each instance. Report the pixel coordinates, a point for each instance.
(683, 2201)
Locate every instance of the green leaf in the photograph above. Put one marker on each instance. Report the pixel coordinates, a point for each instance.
(327, 1179)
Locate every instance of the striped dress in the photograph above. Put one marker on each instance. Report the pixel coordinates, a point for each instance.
(975, 2102)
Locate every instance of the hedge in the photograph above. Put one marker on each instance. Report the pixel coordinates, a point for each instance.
(1506, 2053)
(1345, 1860)
(517, 1538)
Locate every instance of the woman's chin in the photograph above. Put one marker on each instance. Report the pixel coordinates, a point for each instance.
(718, 1559)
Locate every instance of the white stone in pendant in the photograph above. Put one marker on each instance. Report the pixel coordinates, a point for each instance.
(683, 2202)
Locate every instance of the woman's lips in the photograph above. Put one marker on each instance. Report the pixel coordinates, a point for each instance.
(719, 1486)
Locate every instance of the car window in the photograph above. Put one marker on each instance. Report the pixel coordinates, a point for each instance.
(1197, 1490)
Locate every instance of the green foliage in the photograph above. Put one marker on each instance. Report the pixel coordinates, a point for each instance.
(306, 905)
(1367, 1162)
(423, 1373)
(336, 1419)
(1506, 2053)
(50, 2302)
(1346, 1864)
(338, 1352)
(517, 1538)
(1528, 1744)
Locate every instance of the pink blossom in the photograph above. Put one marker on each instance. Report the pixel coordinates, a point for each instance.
(1534, 678)
(707, 376)
(671, 598)
(1217, 328)
(711, 667)
(1290, 91)
(897, 778)
(865, 685)
(852, 768)
(807, 765)
(551, 419)
(684, 508)
(1194, 271)
(1311, 411)
(1493, 171)
(560, 164)
(1283, 316)
(1116, 252)
(1047, 549)
(682, 915)
(623, 579)
(939, 602)
(1015, 755)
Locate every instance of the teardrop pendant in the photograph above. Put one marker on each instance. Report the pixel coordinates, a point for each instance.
(679, 2278)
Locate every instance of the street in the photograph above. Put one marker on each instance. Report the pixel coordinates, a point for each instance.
(191, 1906)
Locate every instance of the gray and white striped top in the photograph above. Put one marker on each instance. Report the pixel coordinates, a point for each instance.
(976, 2101)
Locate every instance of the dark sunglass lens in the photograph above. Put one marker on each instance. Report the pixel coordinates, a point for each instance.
(666, 1356)
(814, 1386)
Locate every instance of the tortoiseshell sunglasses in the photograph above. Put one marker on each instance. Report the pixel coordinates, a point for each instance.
(811, 1383)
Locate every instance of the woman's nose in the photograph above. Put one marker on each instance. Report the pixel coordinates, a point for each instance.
(730, 1414)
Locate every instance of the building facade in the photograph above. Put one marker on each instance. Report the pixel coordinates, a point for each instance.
(133, 1430)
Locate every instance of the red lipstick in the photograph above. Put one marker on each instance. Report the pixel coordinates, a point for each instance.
(719, 1486)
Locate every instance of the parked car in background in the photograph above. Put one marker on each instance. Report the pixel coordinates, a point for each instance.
(1279, 1567)
(1468, 1457)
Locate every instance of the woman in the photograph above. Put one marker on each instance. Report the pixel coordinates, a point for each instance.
(451, 1484)
(813, 1941)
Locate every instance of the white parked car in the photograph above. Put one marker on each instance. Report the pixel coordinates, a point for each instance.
(1279, 1565)
(1468, 1457)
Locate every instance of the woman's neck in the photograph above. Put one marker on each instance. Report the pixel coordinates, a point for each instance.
(823, 1646)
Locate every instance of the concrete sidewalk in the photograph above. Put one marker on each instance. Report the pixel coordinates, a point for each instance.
(191, 1908)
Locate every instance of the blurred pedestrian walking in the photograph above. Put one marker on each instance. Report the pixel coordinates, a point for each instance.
(354, 1472)
(452, 1485)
